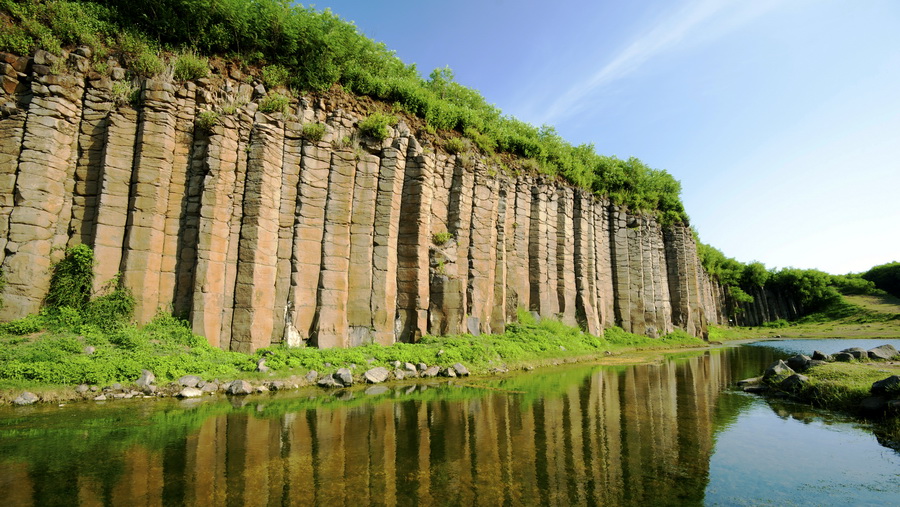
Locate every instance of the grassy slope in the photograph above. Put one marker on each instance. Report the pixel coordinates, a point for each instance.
(855, 316)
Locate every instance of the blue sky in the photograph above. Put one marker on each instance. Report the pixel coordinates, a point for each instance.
(781, 119)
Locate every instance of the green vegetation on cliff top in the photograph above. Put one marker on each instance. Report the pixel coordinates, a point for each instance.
(310, 50)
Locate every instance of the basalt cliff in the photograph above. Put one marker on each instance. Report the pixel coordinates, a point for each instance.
(259, 234)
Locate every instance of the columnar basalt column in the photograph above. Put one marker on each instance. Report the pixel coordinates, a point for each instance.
(114, 190)
(45, 167)
(482, 251)
(412, 245)
(584, 263)
(213, 236)
(384, 252)
(287, 210)
(149, 199)
(254, 301)
(565, 255)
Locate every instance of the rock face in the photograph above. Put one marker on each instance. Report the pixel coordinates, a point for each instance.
(260, 235)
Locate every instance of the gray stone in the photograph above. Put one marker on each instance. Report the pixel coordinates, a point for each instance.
(329, 381)
(399, 374)
(377, 390)
(26, 398)
(90, 349)
(857, 352)
(821, 356)
(311, 376)
(448, 372)
(777, 369)
(239, 387)
(794, 383)
(344, 376)
(755, 389)
(210, 387)
(190, 392)
(843, 357)
(421, 367)
(82, 388)
(799, 362)
(884, 352)
(890, 385)
(149, 389)
(116, 387)
(277, 386)
(432, 371)
(461, 370)
(473, 326)
(189, 381)
(377, 375)
(410, 368)
(147, 377)
(102, 397)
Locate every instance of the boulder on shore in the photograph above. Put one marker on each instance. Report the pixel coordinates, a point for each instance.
(886, 386)
(377, 375)
(777, 369)
(26, 398)
(884, 352)
(239, 387)
(856, 352)
(799, 362)
(147, 377)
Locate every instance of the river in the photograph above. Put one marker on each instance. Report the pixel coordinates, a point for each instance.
(673, 433)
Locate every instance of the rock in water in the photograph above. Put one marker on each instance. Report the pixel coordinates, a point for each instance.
(777, 369)
(329, 381)
(190, 392)
(377, 375)
(884, 352)
(461, 370)
(344, 376)
(239, 387)
(799, 362)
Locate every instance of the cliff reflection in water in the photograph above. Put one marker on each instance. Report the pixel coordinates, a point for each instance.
(570, 436)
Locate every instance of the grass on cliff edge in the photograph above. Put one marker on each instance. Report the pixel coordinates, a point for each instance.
(42, 350)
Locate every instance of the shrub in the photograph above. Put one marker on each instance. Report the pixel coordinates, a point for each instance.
(72, 279)
(274, 103)
(189, 66)
(275, 75)
(147, 64)
(313, 132)
(457, 145)
(441, 237)
(124, 92)
(376, 125)
(206, 120)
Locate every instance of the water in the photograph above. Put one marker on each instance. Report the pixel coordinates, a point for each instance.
(663, 434)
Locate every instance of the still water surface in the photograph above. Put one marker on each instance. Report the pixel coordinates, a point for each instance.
(674, 433)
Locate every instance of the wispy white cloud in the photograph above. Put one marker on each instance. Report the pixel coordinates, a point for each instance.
(696, 21)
